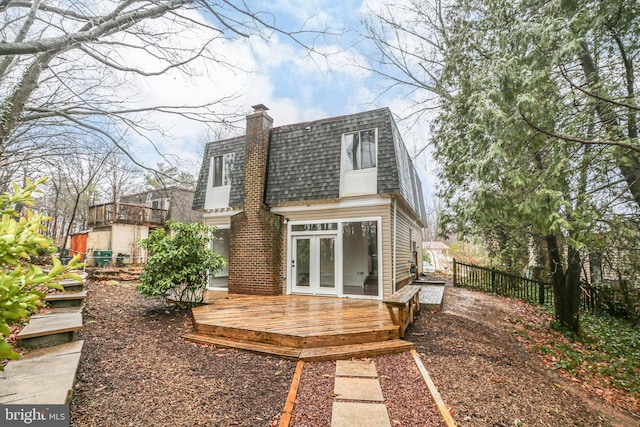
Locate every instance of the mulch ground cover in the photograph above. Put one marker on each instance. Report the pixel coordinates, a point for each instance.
(137, 371)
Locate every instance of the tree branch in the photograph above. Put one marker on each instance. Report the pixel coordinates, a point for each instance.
(622, 144)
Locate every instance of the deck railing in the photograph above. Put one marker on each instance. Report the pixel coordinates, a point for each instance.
(125, 213)
(500, 283)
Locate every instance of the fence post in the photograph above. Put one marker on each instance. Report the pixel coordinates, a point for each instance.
(541, 293)
(455, 275)
(493, 281)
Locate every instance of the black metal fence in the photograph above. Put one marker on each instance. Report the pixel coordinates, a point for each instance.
(500, 283)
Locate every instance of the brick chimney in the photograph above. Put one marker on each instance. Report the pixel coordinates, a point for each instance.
(255, 258)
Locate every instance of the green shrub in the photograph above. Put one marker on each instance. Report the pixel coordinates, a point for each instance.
(20, 280)
(180, 263)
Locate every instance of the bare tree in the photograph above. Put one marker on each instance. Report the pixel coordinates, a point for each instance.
(61, 65)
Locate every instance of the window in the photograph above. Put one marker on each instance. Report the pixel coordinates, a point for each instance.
(315, 227)
(220, 245)
(360, 258)
(222, 167)
(360, 150)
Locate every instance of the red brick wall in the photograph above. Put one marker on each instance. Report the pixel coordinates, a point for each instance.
(255, 253)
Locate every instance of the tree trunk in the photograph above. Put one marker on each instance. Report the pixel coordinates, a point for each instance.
(566, 286)
(628, 161)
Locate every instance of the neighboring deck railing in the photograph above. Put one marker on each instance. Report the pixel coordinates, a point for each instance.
(500, 283)
(125, 213)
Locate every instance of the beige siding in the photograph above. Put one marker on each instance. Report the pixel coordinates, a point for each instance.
(218, 221)
(407, 231)
(332, 213)
(124, 239)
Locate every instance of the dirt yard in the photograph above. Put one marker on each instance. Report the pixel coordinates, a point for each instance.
(137, 371)
(489, 378)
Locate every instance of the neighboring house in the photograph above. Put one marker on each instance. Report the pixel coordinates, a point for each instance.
(330, 207)
(116, 227)
(439, 255)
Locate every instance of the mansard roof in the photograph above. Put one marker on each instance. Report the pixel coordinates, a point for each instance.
(304, 162)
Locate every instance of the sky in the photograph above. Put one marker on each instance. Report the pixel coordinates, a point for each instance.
(281, 74)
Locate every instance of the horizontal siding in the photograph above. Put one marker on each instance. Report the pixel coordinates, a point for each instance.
(223, 221)
(124, 239)
(406, 230)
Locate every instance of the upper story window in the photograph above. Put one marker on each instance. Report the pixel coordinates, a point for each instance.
(221, 170)
(360, 150)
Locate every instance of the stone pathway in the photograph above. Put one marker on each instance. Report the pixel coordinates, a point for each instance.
(358, 396)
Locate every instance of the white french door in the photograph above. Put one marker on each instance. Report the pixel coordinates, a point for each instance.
(313, 264)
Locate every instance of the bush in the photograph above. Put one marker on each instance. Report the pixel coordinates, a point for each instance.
(21, 281)
(180, 263)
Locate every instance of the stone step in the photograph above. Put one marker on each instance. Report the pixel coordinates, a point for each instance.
(43, 376)
(74, 299)
(432, 296)
(54, 328)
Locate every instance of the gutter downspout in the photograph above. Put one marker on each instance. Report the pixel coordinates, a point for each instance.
(395, 212)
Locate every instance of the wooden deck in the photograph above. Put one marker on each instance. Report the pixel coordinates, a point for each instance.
(297, 327)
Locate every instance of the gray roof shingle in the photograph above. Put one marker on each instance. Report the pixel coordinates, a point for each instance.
(304, 161)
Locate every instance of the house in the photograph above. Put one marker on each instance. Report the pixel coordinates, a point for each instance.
(116, 227)
(329, 207)
(438, 254)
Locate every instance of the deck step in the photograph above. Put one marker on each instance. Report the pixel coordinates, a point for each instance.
(57, 327)
(43, 376)
(355, 335)
(255, 347)
(369, 349)
(74, 299)
(307, 354)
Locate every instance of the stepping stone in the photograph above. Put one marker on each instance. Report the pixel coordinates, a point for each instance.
(51, 329)
(43, 376)
(355, 368)
(358, 389)
(75, 299)
(352, 414)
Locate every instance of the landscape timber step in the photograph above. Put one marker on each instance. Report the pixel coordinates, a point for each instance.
(311, 354)
(43, 376)
(72, 285)
(74, 299)
(51, 329)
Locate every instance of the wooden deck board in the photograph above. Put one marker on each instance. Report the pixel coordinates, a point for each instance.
(319, 326)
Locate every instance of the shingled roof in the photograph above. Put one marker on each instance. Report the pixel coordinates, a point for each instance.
(304, 162)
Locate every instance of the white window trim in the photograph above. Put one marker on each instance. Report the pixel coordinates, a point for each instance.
(343, 162)
(212, 171)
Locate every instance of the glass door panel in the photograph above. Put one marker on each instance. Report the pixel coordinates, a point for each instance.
(313, 264)
(327, 262)
(301, 265)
